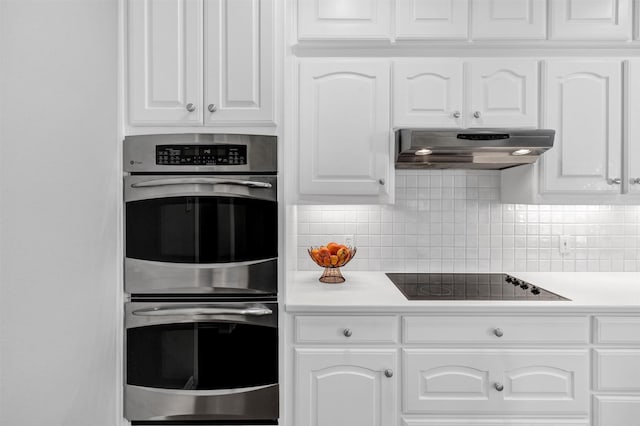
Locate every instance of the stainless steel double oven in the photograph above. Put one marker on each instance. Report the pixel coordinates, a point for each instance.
(201, 261)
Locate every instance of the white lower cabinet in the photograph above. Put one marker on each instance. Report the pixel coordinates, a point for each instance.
(616, 371)
(488, 381)
(466, 370)
(345, 387)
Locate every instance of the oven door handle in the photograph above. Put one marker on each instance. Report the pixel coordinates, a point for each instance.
(202, 180)
(191, 311)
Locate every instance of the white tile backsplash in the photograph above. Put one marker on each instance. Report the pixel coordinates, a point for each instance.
(452, 221)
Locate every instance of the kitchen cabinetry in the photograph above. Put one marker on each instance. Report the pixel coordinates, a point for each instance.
(200, 62)
(586, 104)
(512, 19)
(345, 385)
(569, 20)
(500, 93)
(591, 19)
(344, 129)
(616, 363)
(429, 19)
(337, 19)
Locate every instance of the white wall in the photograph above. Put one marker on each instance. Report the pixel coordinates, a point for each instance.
(59, 191)
(453, 221)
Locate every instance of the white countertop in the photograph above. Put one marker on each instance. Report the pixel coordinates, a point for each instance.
(374, 292)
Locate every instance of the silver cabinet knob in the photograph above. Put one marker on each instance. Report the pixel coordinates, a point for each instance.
(615, 181)
(212, 108)
(476, 114)
(635, 181)
(388, 372)
(457, 114)
(498, 386)
(381, 181)
(191, 107)
(347, 332)
(498, 332)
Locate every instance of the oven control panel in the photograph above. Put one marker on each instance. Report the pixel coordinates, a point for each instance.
(201, 155)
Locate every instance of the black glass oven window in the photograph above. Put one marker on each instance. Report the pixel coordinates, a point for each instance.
(202, 356)
(201, 229)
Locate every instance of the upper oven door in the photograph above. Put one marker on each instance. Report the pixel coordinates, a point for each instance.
(201, 234)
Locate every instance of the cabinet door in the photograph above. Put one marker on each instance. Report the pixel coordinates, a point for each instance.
(165, 62)
(583, 105)
(495, 381)
(427, 93)
(432, 19)
(591, 19)
(632, 112)
(339, 19)
(345, 387)
(344, 128)
(239, 49)
(616, 410)
(502, 93)
(508, 19)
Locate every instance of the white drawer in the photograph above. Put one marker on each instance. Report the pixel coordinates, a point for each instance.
(617, 370)
(617, 330)
(489, 381)
(616, 410)
(346, 329)
(495, 329)
(494, 422)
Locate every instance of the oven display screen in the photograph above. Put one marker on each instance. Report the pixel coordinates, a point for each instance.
(201, 155)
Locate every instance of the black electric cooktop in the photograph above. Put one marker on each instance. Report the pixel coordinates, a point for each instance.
(460, 286)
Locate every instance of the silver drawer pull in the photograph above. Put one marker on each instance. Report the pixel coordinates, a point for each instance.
(498, 332)
(615, 181)
(498, 386)
(191, 311)
(206, 181)
(347, 332)
(388, 372)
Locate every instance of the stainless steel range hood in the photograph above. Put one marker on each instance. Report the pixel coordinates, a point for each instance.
(485, 149)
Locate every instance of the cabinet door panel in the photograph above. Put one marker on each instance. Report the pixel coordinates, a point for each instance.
(345, 387)
(338, 19)
(344, 127)
(427, 93)
(465, 381)
(514, 19)
(615, 410)
(583, 105)
(165, 62)
(503, 93)
(239, 50)
(432, 19)
(632, 112)
(591, 19)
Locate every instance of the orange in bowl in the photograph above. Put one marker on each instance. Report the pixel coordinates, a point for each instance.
(331, 257)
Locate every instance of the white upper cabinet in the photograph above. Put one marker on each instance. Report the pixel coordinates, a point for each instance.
(499, 93)
(344, 129)
(432, 19)
(340, 19)
(512, 19)
(195, 62)
(583, 103)
(591, 19)
(632, 121)
(502, 93)
(165, 62)
(428, 93)
(239, 59)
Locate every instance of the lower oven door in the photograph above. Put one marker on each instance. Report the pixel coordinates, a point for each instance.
(201, 362)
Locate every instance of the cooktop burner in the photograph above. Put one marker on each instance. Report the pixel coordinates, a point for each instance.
(456, 286)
